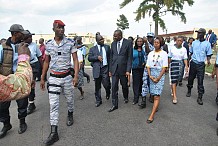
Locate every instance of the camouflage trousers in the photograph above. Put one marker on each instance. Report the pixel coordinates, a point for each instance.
(56, 86)
(145, 85)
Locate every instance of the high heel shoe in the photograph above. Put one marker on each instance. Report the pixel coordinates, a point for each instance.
(174, 101)
(149, 121)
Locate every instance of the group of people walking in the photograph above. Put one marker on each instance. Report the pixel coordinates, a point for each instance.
(147, 58)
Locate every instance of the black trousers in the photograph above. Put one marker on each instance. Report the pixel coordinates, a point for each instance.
(137, 75)
(22, 109)
(35, 68)
(85, 74)
(105, 81)
(196, 70)
(124, 82)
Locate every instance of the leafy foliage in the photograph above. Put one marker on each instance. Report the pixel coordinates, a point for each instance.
(158, 8)
(122, 22)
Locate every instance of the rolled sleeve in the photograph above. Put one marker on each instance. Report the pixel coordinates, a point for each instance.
(209, 50)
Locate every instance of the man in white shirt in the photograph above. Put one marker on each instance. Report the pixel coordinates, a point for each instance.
(99, 55)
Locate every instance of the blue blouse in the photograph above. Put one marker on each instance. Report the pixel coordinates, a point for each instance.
(138, 60)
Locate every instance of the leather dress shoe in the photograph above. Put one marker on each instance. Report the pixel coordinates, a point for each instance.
(113, 108)
(107, 96)
(126, 100)
(88, 80)
(22, 128)
(134, 102)
(4, 130)
(98, 104)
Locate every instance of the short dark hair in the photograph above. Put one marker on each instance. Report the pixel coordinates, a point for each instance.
(130, 37)
(119, 31)
(191, 38)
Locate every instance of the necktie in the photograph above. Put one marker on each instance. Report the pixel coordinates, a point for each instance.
(118, 47)
(101, 53)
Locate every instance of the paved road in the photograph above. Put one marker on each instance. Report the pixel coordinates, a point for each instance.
(184, 124)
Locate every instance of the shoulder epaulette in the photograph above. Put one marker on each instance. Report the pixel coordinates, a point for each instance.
(69, 39)
(48, 41)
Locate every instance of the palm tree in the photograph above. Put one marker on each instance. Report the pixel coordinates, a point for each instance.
(159, 8)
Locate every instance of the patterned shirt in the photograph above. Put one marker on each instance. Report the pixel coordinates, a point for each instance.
(18, 85)
(60, 54)
(157, 59)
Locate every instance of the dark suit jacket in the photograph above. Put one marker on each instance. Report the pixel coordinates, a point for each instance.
(122, 62)
(93, 58)
(212, 39)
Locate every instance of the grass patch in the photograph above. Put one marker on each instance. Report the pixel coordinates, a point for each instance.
(209, 69)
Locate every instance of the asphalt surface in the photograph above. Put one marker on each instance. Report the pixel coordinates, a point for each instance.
(184, 124)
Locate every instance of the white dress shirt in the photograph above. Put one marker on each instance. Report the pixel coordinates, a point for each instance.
(104, 55)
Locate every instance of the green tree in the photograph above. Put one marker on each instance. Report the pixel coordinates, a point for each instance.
(158, 8)
(122, 23)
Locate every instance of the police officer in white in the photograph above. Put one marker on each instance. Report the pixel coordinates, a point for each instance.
(58, 57)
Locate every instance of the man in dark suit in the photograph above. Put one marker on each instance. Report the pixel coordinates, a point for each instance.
(120, 67)
(99, 56)
(212, 38)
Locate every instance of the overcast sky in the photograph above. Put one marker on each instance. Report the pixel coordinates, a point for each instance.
(97, 15)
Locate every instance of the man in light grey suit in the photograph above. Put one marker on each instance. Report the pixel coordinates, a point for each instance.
(99, 56)
(120, 67)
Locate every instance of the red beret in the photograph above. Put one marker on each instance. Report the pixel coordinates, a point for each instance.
(59, 22)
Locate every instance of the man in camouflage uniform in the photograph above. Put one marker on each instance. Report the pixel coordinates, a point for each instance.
(58, 57)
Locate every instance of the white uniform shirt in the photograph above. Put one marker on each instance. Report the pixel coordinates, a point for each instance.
(177, 53)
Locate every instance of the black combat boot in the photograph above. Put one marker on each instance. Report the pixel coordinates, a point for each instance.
(188, 93)
(143, 103)
(70, 118)
(31, 108)
(23, 126)
(7, 126)
(53, 136)
(199, 100)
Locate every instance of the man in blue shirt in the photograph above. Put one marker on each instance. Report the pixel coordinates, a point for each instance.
(82, 47)
(35, 59)
(200, 50)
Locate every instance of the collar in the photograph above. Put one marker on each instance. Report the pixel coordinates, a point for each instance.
(63, 41)
(121, 41)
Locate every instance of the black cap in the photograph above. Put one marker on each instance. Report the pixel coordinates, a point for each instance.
(201, 30)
